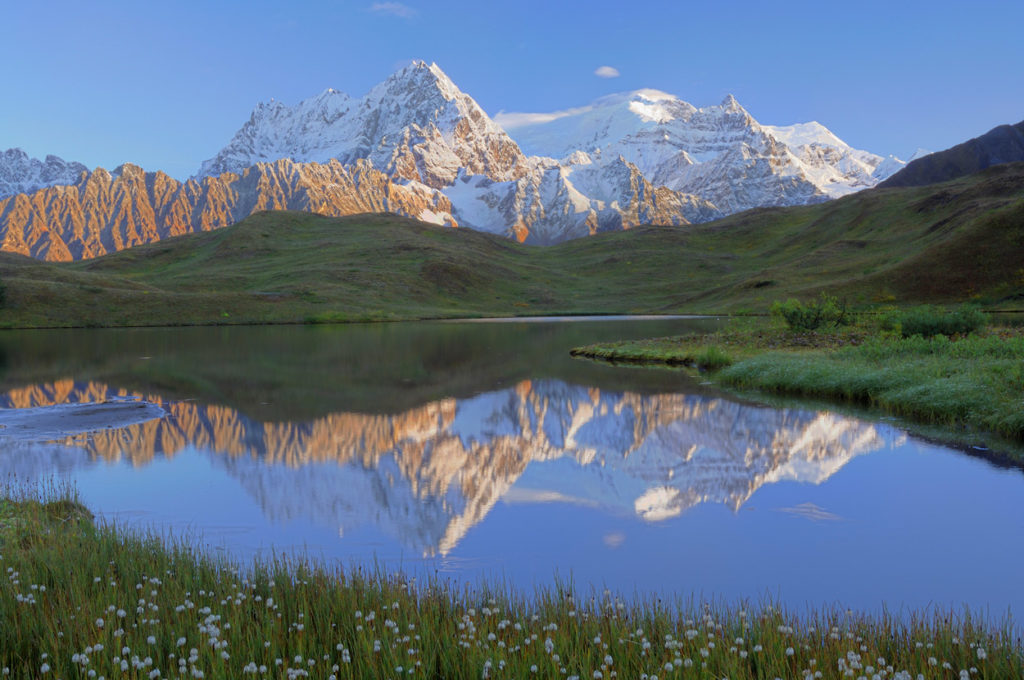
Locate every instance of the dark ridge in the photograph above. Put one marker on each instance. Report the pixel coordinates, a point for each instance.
(1003, 144)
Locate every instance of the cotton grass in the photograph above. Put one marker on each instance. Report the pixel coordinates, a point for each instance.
(168, 611)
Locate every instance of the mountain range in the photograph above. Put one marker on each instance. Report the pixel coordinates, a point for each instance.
(416, 145)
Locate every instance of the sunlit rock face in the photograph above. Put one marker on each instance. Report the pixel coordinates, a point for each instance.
(104, 212)
(428, 475)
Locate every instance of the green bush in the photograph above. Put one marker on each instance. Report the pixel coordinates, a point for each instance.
(928, 321)
(712, 358)
(826, 311)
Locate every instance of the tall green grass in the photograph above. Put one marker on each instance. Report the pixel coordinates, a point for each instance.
(83, 601)
(928, 321)
(973, 382)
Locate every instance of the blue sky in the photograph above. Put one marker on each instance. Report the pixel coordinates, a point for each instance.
(165, 85)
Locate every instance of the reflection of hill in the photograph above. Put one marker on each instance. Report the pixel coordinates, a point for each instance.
(429, 474)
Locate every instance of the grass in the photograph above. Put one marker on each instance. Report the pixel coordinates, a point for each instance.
(974, 382)
(80, 600)
(958, 241)
(970, 383)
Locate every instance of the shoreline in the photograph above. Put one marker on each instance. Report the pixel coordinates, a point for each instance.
(85, 597)
(962, 391)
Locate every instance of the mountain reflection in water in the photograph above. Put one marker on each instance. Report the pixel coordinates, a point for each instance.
(427, 475)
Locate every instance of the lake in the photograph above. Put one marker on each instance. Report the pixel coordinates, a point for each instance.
(482, 450)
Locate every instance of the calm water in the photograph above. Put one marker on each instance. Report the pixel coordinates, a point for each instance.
(483, 449)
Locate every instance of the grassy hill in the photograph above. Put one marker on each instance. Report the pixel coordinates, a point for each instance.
(950, 242)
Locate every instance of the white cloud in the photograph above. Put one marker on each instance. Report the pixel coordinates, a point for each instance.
(606, 72)
(394, 9)
(510, 120)
(614, 539)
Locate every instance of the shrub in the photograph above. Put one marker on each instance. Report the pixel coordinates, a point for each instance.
(826, 311)
(930, 321)
(712, 359)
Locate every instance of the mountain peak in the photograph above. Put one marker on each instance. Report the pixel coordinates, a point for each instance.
(653, 95)
(15, 152)
(330, 93)
(730, 104)
(417, 75)
(806, 134)
(20, 173)
(920, 153)
(415, 125)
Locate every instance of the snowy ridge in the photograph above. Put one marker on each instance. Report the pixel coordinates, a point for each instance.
(20, 174)
(416, 125)
(720, 153)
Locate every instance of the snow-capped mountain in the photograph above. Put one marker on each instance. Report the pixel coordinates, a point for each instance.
(418, 146)
(416, 126)
(419, 128)
(834, 164)
(20, 174)
(720, 153)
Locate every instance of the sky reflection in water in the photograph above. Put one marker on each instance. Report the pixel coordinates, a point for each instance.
(521, 467)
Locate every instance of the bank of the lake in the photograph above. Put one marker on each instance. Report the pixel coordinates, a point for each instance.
(966, 385)
(81, 599)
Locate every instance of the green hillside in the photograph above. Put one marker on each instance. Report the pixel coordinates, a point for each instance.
(950, 242)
